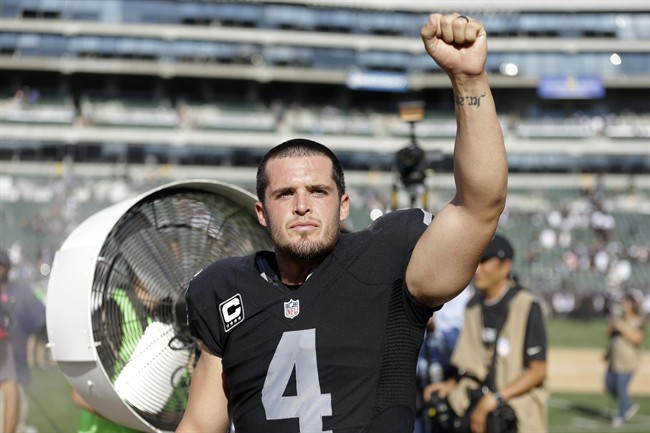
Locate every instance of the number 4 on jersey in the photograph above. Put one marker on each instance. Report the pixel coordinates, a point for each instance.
(296, 349)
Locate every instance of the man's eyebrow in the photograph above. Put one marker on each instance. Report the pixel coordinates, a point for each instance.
(282, 190)
(313, 187)
(319, 186)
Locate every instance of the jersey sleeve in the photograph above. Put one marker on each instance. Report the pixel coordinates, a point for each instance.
(403, 230)
(535, 345)
(417, 223)
(396, 234)
(202, 311)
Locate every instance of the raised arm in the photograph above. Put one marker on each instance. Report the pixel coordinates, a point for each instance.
(207, 406)
(447, 254)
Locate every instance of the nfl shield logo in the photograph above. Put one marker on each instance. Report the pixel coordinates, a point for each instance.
(291, 309)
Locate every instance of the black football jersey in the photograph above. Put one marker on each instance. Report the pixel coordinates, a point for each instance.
(337, 354)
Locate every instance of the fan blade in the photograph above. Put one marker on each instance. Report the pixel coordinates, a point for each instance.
(151, 260)
(143, 387)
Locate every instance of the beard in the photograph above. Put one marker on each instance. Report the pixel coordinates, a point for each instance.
(305, 250)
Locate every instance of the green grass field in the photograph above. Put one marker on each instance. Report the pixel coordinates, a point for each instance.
(588, 413)
(577, 334)
(50, 402)
(51, 409)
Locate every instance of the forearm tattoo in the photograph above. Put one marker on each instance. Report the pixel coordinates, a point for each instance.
(469, 100)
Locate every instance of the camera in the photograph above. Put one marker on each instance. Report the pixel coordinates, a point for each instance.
(502, 420)
(444, 419)
(439, 412)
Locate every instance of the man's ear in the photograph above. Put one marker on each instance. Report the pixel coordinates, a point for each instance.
(506, 268)
(261, 214)
(345, 207)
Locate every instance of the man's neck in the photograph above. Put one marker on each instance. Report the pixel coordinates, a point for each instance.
(496, 292)
(292, 272)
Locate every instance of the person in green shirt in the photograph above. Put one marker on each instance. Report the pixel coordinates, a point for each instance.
(131, 327)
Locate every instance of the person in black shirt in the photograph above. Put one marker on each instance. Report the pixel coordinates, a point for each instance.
(323, 333)
(506, 321)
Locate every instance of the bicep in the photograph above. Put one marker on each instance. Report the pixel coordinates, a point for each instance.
(447, 254)
(207, 406)
(533, 376)
(537, 368)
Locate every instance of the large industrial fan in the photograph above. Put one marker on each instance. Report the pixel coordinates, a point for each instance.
(116, 313)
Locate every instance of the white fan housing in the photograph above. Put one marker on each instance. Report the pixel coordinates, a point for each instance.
(159, 240)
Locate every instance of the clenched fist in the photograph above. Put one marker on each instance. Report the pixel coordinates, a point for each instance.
(457, 43)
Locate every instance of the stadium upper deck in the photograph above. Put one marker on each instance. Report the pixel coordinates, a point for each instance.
(319, 42)
(186, 79)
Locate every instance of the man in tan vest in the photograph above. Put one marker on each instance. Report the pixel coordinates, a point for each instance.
(505, 318)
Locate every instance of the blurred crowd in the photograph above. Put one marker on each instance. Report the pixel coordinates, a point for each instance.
(28, 105)
(577, 249)
(583, 250)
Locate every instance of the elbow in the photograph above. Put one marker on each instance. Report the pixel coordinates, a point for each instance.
(542, 375)
(499, 201)
(486, 207)
(497, 207)
(491, 211)
(499, 194)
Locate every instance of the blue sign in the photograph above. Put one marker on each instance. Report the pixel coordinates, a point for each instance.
(378, 81)
(581, 87)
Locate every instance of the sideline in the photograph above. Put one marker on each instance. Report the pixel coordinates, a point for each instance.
(583, 371)
(593, 419)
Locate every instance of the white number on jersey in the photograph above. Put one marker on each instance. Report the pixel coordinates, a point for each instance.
(296, 348)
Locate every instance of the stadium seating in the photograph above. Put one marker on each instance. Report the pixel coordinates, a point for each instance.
(203, 88)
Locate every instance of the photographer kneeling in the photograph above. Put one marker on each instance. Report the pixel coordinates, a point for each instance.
(500, 356)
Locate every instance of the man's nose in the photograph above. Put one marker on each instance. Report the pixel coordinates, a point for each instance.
(302, 205)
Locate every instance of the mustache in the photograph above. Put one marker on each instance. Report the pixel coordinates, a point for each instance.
(301, 221)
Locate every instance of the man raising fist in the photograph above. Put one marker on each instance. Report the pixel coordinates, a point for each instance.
(323, 333)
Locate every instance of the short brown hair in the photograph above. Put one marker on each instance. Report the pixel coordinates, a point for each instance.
(294, 148)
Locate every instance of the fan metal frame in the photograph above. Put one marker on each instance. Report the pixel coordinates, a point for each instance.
(69, 310)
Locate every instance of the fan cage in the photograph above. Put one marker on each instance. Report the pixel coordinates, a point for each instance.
(137, 296)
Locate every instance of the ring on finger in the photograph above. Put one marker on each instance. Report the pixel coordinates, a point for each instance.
(463, 17)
